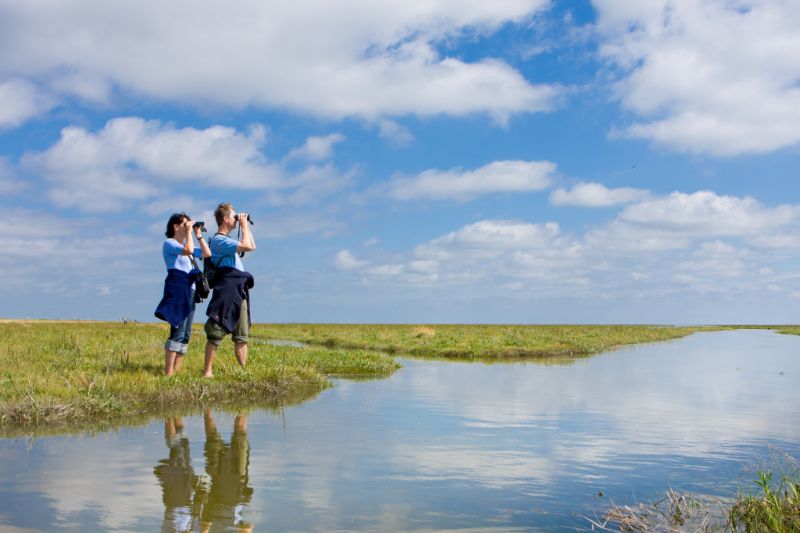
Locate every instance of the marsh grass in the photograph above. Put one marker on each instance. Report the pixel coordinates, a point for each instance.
(65, 374)
(473, 341)
(773, 508)
(674, 513)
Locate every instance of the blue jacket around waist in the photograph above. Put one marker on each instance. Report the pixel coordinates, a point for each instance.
(231, 287)
(176, 304)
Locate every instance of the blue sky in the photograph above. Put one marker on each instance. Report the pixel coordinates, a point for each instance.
(516, 161)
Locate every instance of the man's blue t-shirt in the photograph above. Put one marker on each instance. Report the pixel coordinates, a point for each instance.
(174, 258)
(223, 252)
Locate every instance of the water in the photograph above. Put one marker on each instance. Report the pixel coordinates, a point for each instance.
(438, 446)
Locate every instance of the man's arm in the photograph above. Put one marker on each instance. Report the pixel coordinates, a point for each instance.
(247, 244)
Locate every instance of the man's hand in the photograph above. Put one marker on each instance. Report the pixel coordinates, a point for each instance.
(242, 218)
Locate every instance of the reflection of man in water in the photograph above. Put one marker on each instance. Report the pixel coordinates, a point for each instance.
(223, 496)
(175, 475)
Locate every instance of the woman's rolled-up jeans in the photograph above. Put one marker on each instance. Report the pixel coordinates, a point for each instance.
(179, 337)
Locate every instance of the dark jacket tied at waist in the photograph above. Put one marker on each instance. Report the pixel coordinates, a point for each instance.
(231, 287)
(176, 304)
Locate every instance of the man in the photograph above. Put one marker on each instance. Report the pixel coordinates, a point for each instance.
(229, 308)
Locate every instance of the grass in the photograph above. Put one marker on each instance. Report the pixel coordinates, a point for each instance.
(102, 373)
(473, 341)
(71, 374)
(773, 508)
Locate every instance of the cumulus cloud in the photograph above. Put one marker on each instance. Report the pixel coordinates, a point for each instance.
(21, 100)
(459, 184)
(707, 76)
(345, 260)
(395, 133)
(382, 62)
(132, 160)
(705, 213)
(317, 148)
(680, 242)
(488, 238)
(10, 183)
(596, 195)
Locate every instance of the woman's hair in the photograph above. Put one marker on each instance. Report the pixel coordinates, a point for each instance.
(222, 211)
(176, 218)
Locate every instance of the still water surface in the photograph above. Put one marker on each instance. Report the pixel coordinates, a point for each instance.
(438, 446)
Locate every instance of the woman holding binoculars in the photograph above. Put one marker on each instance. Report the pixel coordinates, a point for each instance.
(178, 303)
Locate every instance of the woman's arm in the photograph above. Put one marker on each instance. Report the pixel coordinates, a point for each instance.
(203, 244)
(188, 243)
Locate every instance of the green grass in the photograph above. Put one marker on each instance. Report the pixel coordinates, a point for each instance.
(473, 341)
(773, 509)
(70, 373)
(62, 373)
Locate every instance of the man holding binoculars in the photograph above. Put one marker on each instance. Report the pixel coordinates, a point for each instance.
(229, 308)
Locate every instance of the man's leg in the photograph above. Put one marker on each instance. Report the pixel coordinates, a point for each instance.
(240, 348)
(241, 335)
(211, 353)
(214, 336)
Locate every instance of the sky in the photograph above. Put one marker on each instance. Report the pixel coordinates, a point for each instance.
(436, 161)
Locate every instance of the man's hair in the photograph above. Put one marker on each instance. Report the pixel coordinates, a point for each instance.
(222, 211)
(176, 218)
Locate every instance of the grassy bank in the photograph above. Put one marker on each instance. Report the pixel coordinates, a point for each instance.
(58, 373)
(72, 373)
(472, 341)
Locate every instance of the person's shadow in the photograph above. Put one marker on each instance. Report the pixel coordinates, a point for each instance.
(215, 499)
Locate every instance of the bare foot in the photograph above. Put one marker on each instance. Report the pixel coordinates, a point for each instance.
(208, 375)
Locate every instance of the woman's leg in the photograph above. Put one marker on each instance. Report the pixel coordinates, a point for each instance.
(186, 328)
(171, 348)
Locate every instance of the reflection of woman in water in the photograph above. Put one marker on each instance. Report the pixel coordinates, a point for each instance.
(175, 476)
(217, 498)
(227, 465)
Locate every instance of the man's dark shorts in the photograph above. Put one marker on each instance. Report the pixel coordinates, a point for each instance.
(215, 333)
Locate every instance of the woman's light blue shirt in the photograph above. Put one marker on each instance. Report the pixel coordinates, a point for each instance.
(174, 258)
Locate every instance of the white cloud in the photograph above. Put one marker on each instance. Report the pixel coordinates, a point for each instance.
(381, 62)
(21, 100)
(488, 238)
(700, 242)
(395, 133)
(317, 148)
(386, 270)
(707, 76)
(10, 183)
(345, 260)
(131, 160)
(372, 241)
(596, 195)
(130, 157)
(705, 213)
(459, 184)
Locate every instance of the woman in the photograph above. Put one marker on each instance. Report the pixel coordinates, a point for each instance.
(177, 305)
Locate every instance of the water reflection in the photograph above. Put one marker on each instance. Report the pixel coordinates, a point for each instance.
(438, 445)
(215, 500)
